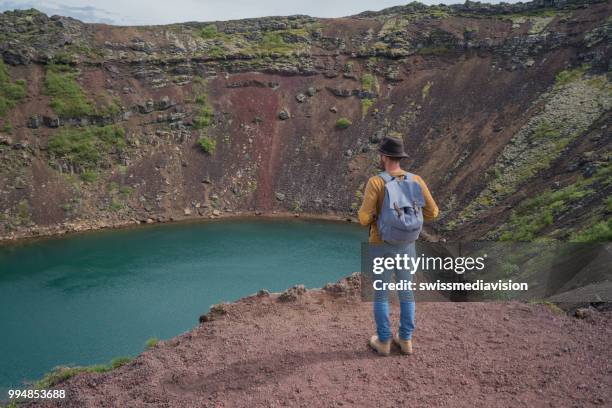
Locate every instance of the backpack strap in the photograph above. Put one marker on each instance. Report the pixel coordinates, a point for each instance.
(387, 177)
(408, 176)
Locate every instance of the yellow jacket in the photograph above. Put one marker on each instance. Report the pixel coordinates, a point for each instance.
(374, 196)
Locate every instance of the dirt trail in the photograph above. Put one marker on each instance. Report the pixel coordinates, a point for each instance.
(312, 352)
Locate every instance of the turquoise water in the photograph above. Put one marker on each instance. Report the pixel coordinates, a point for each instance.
(87, 298)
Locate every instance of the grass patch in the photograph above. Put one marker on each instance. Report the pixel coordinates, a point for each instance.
(126, 191)
(207, 144)
(570, 75)
(23, 212)
(67, 96)
(367, 82)
(599, 232)
(274, 42)
(205, 113)
(553, 307)
(10, 93)
(343, 123)
(61, 374)
(366, 104)
(539, 212)
(217, 52)
(152, 342)
(545, 131)
(85, 148)
(426, 89)
(89, 176)
(533, 215)
(209, 32)
(115, 205)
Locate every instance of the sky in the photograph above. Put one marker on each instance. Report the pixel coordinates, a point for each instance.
(145, 12)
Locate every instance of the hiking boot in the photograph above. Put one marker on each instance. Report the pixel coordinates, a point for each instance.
(382, 348)
(404, 345)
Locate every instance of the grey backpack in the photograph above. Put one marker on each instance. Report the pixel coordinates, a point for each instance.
(401, 216)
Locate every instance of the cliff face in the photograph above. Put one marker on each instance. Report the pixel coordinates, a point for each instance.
(504, 110)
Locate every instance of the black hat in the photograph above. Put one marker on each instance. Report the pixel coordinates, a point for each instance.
(392, 147)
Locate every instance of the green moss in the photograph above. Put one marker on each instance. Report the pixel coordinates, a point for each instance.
(120, 361)
(425, 90)
(113, 108)
(367, 81)
(438, 13)
(532, 216)
(205, 114)
(152, 342)
(608, 203)
(207, 144)
(599, 232)
(570, 75)
(546, 130)
(209, 31)
(10, 93)
(343, 123)
(23, 212)
(64, 58)
(112, 187)
(89, 176)
(115, 205)
(542, 12)
(273, 41)
(67, 96)
(366, 104)
(538, 145)
(85, 148)
(217, 52)
(61, 374)
(126, 191)
(553, 307)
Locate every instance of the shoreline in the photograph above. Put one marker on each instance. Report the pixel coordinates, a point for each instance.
(65, 229)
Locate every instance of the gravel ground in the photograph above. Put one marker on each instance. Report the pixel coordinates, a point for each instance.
(311, 351)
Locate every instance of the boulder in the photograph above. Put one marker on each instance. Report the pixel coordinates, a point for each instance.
(376, 137)
(165, 103)
(292, 294)
(300, 97)
(6, 140)
(284, 114)
(34, 122)
(583, 313)
(52, 122)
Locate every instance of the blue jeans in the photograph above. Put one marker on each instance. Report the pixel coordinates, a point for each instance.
(406, 297)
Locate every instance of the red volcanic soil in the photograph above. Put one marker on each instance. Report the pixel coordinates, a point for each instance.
(312, 352)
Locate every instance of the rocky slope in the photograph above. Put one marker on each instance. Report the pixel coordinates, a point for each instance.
(309, 349)
(505, 111)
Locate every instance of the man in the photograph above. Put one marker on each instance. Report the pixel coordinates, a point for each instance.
(391, 151)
